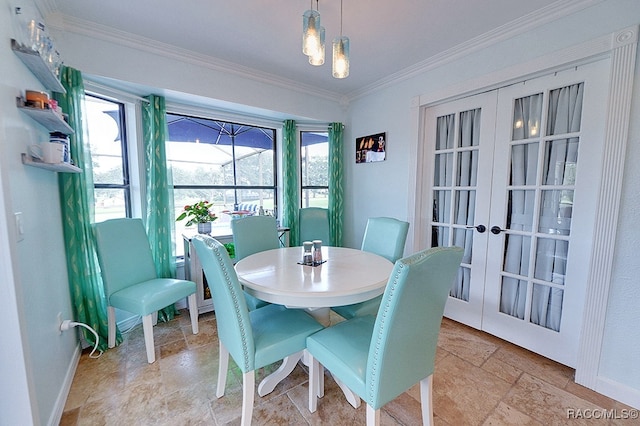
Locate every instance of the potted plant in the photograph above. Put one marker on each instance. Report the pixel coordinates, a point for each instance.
(198, 213)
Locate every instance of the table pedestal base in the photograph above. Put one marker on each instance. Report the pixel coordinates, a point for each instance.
(269, 383)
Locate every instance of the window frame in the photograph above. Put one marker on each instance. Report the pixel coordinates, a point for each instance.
(302, 186)
(126, 185)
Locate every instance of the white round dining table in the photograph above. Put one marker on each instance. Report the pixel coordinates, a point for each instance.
(346, 276)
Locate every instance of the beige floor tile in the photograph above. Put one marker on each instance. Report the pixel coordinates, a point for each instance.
(547, 403)
(504, 415)
(465, 343)
(465, 394)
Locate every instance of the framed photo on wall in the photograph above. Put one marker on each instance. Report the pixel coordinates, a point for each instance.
(372, 148)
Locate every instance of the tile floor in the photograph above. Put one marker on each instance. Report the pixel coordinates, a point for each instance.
(479, 380)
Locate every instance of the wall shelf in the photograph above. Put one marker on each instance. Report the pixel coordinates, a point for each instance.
(61, 167)
(46, 117)
(38, 67)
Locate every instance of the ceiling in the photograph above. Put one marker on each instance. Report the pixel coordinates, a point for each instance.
(387, 38)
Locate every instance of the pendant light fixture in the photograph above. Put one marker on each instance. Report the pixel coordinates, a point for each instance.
(317, 58)
(311, 32)
(340, 68)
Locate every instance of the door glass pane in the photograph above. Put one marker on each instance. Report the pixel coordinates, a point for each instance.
(467, 168)
(465, 207)
(560, 161)
(527, 115)
(461, 285)
(464, 238)
(551, 260)
(442, 170)
(439, 236)
(565, 109)
(555, 212)
(546, 306)
(441, 206)
(524, 164)
(513, 297)
(444, 132)
(516, 255)
(520, 210)
(469, 128)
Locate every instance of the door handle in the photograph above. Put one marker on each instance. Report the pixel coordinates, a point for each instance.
(496, 230)
(479, 228)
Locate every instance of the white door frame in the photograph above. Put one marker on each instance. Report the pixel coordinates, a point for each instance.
(620, 48)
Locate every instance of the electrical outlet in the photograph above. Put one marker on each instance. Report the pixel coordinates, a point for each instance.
(59, 322)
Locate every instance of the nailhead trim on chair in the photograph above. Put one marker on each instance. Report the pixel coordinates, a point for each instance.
(374, 367)
(236, 305)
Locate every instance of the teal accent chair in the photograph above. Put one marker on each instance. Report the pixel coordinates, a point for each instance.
(253, 338)
(314, 225)
(384, 236)
(253, 234)
(380, 357)
(130, 279)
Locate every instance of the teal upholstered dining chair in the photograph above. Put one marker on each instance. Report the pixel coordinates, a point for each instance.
(253, 338)
(380, 357)
(384, 236)
(253, 234)
(314, 225)
(130, 279)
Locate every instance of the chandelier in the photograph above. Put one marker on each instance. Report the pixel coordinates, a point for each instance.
(313, 43)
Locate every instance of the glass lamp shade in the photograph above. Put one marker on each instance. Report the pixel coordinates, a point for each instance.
(310, 32)
(317, 59)
(340, 67)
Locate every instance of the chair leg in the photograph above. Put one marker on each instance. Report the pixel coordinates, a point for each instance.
(248, 393)
(314, 378)
(426, 400)
(155, 318)
(373, 416)
(223, 366)
(111, 326)
(193, 313)
(147, 328)
(321, 381)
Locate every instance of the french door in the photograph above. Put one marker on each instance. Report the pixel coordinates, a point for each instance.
(515, 177)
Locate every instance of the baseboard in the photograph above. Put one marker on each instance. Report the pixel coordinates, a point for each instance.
(61, 400)
(619, 392)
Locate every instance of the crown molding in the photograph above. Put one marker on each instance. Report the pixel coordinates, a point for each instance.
(514, 28)
(101, 32)
(554, 11)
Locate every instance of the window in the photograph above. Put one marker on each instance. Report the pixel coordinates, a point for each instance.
(314, 169)
(108, 142)
(232, 165)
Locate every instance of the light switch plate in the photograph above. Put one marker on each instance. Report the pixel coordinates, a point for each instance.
(19, 227)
